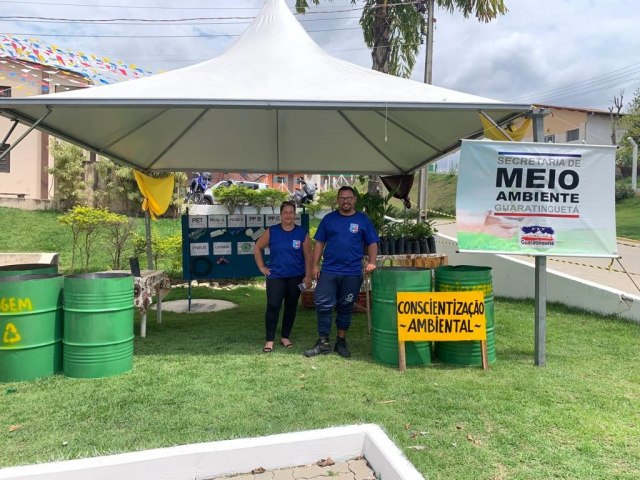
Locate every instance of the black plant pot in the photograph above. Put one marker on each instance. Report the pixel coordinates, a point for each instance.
(400, 242)
(407, 246)
(392, 245)
(384, 246)
(431, 241)
(415, 246)
(424, 245)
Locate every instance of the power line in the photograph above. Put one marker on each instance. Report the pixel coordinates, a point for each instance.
(591, 84)
(150, 22)
(147, 7)
(203, 35)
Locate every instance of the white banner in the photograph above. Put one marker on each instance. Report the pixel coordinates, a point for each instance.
(536, 199)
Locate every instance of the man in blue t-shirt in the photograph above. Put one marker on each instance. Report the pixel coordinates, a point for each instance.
(341, 240)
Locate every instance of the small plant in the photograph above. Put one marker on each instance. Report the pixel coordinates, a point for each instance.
(233, 197)
(261, 199)
(376, 207)
(312, 209)
(274, 198)
(84, 222)
(624, 191)
(421, 230)
(119, 230)
(327, 199)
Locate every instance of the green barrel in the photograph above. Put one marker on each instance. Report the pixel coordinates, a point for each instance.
(98, 325)
(27, 269)
(463, 278)
(31, 326)
(386, 282)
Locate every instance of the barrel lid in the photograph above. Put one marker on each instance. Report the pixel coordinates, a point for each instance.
(22, 278)
(25, 266)
(100, 275)
(401, 269)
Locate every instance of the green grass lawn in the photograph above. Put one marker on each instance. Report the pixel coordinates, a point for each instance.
(441, 196)
(203, 377)
(40, 231)
(628, 218)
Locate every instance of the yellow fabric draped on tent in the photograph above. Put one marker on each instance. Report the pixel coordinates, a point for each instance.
(496, 133)
(157, 192)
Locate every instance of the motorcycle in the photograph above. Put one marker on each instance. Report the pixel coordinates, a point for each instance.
(199, 190)
(304, 195)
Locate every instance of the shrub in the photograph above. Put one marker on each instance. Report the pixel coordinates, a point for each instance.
(119, 230)
(274, 198)
(166, 251)
(312, 209)
(85, 223)
(233, 197)
(260, 199)
(624, 191)
(327, 199)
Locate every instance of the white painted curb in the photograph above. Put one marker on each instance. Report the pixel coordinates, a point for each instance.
(207, 460)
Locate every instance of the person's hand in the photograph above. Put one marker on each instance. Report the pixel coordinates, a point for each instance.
(370, 267)
(487, 222)
(265, 271)
(500, 226)
(315, 274)
(307, 282)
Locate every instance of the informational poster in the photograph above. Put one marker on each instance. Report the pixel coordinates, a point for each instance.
(441, 316)
(221, 246)
(536, 199)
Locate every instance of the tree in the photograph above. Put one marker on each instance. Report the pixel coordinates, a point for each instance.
(630, 121)
(68, 172)
(393, 28)
(614, 113)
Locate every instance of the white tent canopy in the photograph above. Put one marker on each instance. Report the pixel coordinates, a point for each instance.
(273, 102)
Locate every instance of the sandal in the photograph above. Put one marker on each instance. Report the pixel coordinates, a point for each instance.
(286, 345)
(267, 348)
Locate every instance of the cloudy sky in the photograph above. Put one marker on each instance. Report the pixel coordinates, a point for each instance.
(579, 53)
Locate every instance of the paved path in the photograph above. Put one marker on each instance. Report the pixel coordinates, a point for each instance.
(598, 270)
(350, 470)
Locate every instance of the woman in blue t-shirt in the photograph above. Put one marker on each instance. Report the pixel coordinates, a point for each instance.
(289, 265)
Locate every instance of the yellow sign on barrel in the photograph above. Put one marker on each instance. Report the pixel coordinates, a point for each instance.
(441, 316)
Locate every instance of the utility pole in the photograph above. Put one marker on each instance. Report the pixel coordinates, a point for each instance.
(428, 75)
(634, 164)
(428, 59)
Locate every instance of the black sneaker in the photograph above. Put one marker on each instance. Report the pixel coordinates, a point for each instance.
(322, 347)
(341, 347)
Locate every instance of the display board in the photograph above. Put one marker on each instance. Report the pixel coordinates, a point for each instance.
(536, 199)
(221, 246)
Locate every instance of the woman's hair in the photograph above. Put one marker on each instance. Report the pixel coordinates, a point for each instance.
(286, 204)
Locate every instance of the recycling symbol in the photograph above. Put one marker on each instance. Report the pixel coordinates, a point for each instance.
(11, 334)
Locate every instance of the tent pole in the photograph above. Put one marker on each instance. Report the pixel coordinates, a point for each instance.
(147, 227)
(428, 73)
(27, 132)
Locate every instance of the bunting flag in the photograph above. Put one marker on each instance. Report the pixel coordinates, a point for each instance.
(36, 55)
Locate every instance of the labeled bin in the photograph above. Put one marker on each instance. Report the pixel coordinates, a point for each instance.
(386, 282)
(27, 269)
(31, 326)
(464, 278)
(98, 325)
